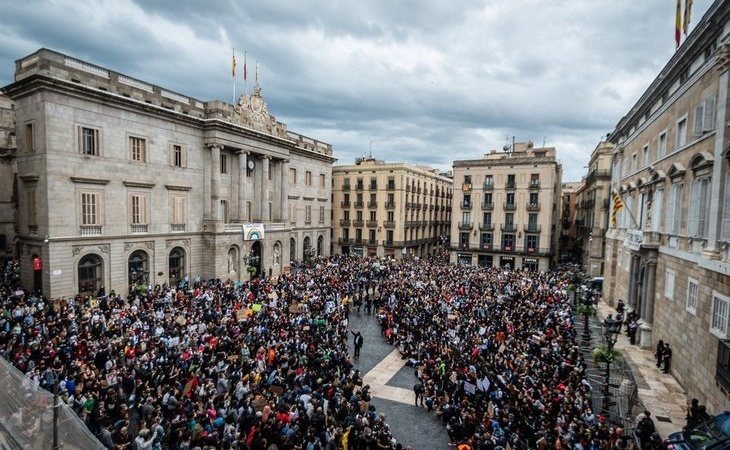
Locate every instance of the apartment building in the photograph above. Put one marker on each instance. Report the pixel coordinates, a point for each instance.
(593, 204)
(7, 176)
(506, 208)
(389, 209)
(668, 255)
(567, 244)
(122, 182)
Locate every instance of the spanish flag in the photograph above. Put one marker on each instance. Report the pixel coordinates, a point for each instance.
(618, 204)
(687, 15)
(678, 25)
(233, 65)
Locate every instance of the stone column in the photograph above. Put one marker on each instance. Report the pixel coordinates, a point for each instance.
(276, 185)
(650, 289)
(242, 180)
(215, 181)
(633, 282)
(265, 188)
(284, 189)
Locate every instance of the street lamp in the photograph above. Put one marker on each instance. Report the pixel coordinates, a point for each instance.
(252, 261)
(611, 330)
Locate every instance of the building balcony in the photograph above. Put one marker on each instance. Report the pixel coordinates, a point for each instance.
(486, 226)
(360, 187)
(344, 241)
(465, 225)
(371, 242)
(485, 246)
(534, 184)
(418, 190)
(90, 230)
(465, 205)
(345, 222)
(408, 205)
(358, 241)
(373, 187)
(389, 224)
(345, 204)
(346, 187)
(372, 223)
(509, 206)
(430, 207)
(387, 243)
(510, 185)
(533, 207)
(359, 205)
(510, 227)
(391, 186)
(488, 186)
(408, 188)
(488, 206)
(139, 229)
(358, 223)
(372, 205)
(532, 228)
(177, 227)
(389, 205)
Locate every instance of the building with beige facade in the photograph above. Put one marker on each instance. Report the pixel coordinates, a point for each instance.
(123, 182)
(389, 209)
(593, 202)
(668, 256)
(567, 244)
(7, 176)
(506, 209)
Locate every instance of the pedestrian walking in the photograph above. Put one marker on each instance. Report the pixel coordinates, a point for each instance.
(357, 342)
(667, 358)
(419, 390)
(659, 354)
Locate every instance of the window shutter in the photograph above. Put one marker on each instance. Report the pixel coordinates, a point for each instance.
(694, 206)
(699, 117)
(726, 211)
(704, 206)
(709, 114)
(143, 210)
(670, 208)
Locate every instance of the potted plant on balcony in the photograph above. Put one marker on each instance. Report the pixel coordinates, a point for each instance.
(251, 270)
(602, 355)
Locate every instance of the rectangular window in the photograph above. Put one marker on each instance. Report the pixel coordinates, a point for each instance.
(509, 218)
(531, 243)
(645, 155)
(224, 163)
(271, 212)
(720, 313)
(358, 234)
(674, 208)
(177, 158)
(321, 181)
(138, 209)
(488, 198)
(389, 235)
(372, 216)
(669, 278)
(486, 239)
(292, 213)
(346, 234)
(691, 305)
(371, 235)
(534, 198)
(32, 209)
(725, 235)
(704, 116)
(346, 215)
(391, 216)
(249, 214)
(463, 239)
(657, 204)
(662, 144)
(137, 149)
(90, 208)
(308, 214)
(224, 210)
(487, 218)
(321, 214)
(510, 198)
(89, 141)
(308, 178)
(511, 180)
(634, 162)
(292, 176)
(466, 217)
(696, 223)
(681, 132)
(29, 141)
(508, 242)
(178, 211)
(532, 221)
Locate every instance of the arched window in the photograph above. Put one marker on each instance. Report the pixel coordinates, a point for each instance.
(138, 268)
(307, 247)
(91, 274)
(320, 245)
(292, 249)
(176, 265)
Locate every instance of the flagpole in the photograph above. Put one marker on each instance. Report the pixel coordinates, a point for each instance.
(628, 210)
(233, 100)
(245, 75)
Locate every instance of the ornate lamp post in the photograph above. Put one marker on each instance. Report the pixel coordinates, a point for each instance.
(611, 330)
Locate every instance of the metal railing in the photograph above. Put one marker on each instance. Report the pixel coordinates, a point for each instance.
(90, 230)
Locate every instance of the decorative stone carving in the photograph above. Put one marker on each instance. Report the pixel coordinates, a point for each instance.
(185, 243)
(104, 248)
(76, 250)
(150, 245)
(251, 111)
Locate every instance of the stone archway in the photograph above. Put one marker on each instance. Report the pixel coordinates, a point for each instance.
(90, 274)
(176, 265)
(138, 268)
(258, 257)
(320, 245)
(292, 250)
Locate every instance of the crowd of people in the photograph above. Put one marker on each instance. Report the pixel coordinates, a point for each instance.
(265, 364)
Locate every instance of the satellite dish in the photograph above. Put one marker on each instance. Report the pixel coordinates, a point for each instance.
(506, 147)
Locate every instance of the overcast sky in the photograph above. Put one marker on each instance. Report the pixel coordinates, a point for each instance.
(427, 81)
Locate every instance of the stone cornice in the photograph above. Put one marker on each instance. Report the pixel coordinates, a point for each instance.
(84, 180)
(138, 184)
(30, 178)
(173, 187)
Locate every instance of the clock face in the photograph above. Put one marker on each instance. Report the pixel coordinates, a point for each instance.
(250, 165)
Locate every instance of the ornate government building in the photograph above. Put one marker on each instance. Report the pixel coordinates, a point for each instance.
(118, 182)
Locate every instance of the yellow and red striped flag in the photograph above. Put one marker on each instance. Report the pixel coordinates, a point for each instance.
(233, 65)
(678, 25)
(687, 15)
(618, 204)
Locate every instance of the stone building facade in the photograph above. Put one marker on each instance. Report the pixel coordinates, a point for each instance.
(390, 209)
(593, 204)
(124, 182)
(7, 176)
(669, 254)
(568, 225)
(506, 209)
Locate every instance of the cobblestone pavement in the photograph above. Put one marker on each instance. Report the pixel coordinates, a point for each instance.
(391, 383)
(660, 393)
